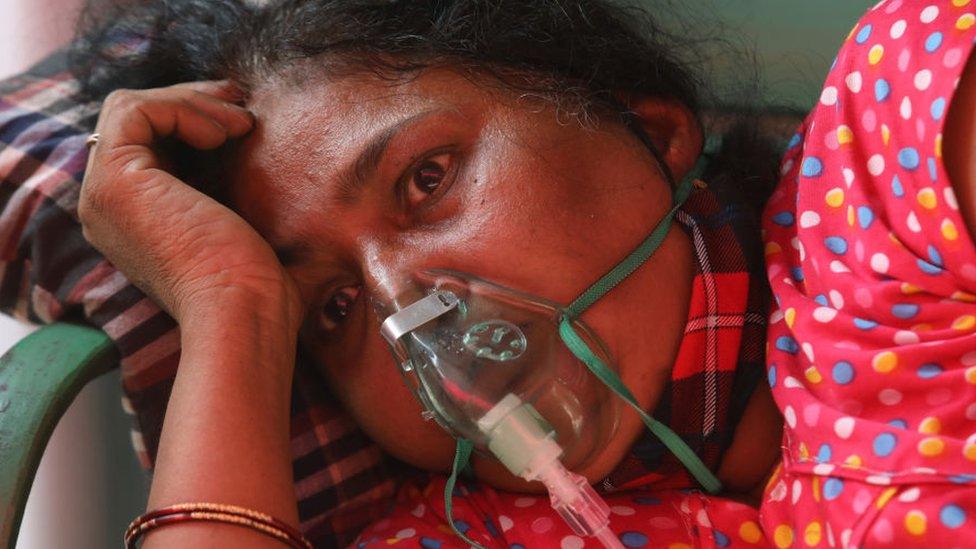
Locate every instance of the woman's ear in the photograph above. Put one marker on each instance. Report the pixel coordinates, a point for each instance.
(672, 127)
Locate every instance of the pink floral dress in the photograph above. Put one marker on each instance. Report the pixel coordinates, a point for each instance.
(872, 344)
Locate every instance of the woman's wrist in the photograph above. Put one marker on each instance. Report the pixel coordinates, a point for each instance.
(254, 335)
(226, 433)
(278, 308)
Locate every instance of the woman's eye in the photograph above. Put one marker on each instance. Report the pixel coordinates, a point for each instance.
(426, 178)
(337, 309)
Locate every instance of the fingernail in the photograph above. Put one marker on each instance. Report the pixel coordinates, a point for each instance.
(232, 88)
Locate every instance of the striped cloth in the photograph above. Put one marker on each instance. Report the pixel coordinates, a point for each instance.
(49, 272)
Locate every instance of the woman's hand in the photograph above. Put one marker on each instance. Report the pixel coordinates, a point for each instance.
(180, 246)
(225, 437)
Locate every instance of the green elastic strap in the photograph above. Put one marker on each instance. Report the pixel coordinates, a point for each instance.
(582, 351)
(672, 441)
(462, 454)
(644, 250)
(607, 282)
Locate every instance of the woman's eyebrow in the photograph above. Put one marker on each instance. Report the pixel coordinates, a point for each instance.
(350, 183)
(352, 180)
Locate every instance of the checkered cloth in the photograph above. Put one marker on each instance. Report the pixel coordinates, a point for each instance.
(49, 272)
(722, 355)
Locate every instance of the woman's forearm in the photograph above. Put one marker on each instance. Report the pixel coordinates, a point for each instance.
(226, 432)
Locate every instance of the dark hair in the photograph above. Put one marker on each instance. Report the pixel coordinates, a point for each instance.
(577, 53)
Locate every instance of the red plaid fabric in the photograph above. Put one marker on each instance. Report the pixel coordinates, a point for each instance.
(721, 358)
(48, 272)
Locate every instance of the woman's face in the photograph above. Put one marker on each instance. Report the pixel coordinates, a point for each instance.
(357, 181)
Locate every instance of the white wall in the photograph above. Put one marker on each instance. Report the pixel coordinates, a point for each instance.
(29, 29)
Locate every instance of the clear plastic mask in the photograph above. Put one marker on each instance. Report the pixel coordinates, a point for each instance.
(521, 378)
(464, 344)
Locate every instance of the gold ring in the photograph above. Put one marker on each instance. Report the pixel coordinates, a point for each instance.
(92, 140)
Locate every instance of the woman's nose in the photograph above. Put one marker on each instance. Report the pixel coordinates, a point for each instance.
(393, 273)
(387, 271)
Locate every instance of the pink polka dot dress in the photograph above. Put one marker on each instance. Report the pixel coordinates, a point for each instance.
(642, 519)
(872, 343)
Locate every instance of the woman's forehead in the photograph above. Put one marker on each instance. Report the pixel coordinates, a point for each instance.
(305, 130)
(307, 135)
(362, 97)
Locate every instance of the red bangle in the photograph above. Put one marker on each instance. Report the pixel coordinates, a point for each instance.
(214, 512)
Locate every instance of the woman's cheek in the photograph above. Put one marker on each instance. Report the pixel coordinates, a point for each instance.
(374, 393)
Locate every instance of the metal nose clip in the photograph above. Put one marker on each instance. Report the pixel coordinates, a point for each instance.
(417, 314)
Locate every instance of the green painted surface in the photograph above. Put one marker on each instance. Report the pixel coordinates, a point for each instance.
(787, 45)
(39, 377)
(795, 41)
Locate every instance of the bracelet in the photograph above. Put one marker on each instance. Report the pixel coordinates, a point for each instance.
(214, 512)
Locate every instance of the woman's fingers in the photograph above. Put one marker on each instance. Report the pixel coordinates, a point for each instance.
(221, 89)
(235, 119)
(219, 99)
(133, 121)
(201, 120)
(176, 243)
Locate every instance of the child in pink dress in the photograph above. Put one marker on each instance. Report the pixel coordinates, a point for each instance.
(872, 349)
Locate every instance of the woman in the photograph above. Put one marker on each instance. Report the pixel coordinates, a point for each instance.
(531, 144)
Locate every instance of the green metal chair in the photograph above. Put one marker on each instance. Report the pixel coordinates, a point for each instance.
(39, 378)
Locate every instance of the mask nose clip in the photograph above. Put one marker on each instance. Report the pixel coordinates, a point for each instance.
(418, 313)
